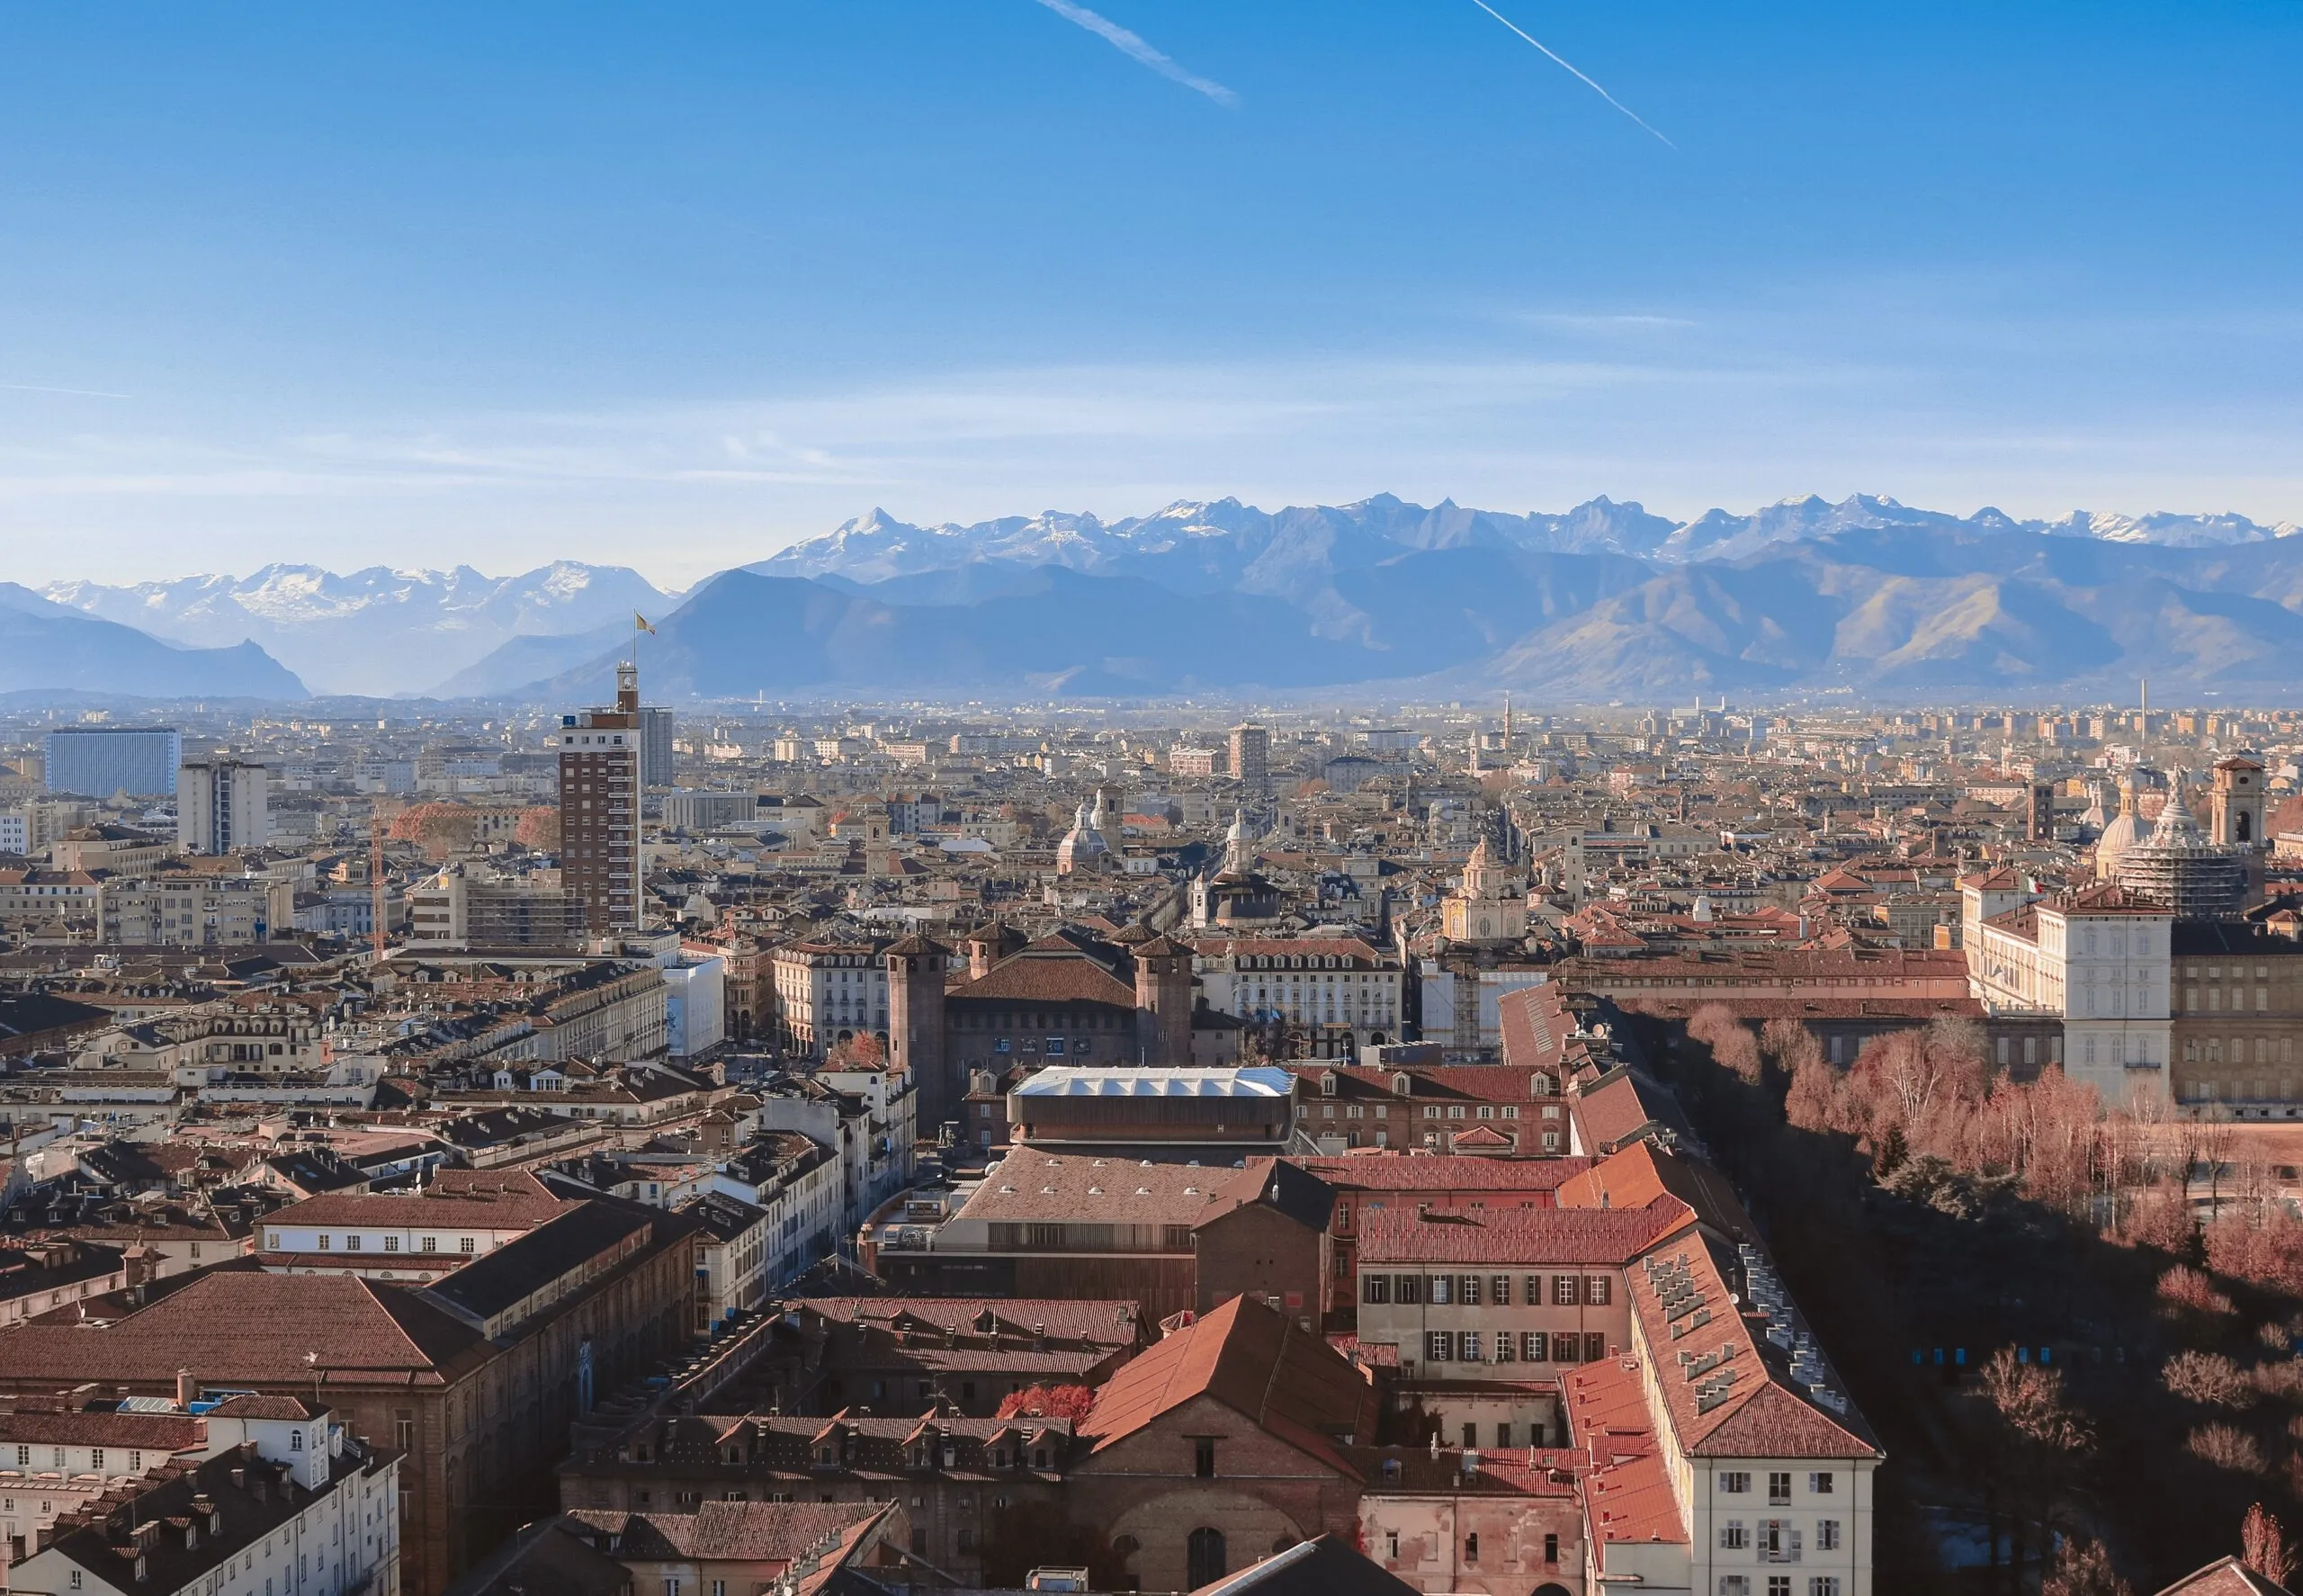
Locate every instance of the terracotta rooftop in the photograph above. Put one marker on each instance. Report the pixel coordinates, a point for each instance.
(1644, 1172)
(770, 1532)
(1255, 1361)
(1029, 1185)
(1518, 1237)
(237, 1327)
(1762, 1412)
(1382, 1171)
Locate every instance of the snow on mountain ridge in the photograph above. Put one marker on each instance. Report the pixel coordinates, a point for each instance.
(376, 630)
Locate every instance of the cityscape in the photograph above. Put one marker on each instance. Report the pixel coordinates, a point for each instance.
(902, 799)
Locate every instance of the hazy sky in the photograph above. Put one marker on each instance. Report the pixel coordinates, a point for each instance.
(674, 285)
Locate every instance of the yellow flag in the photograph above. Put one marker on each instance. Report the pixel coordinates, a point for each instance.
(640, 622)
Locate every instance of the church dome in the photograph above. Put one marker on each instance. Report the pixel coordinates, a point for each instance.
(1083, 846)
(2122, 834)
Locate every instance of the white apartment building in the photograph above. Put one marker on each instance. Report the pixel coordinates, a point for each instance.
(2098, 958)
(1310, 981)
(193, 911)
(295, 1508)
(53, 1464)
(222, 805)
(1737, 1465)
(413, 1236)
(798, 1184)
(695, 1001)
(826, 992)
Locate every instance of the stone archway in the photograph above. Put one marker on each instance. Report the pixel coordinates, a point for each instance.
(1164, 1526)
(1206, 1557)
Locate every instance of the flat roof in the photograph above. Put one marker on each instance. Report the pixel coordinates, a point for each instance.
(1074, 1080)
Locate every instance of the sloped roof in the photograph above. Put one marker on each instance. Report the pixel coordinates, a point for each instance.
(1518, 1236)
(1322, 1567)
(1642, 1171)
(2226, 1576)
(1254, 1361)
(1386, 1169)
(730, 1531)
(1763, 1414)
(1611, 1114)
(234, 1327)
(1050, 971)
(1276, 1183)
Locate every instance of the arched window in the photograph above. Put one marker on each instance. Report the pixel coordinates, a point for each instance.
(1204, 1557)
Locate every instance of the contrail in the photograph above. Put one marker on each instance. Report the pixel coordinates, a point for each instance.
(1127, 43)
(80, 393)
(1553, 54)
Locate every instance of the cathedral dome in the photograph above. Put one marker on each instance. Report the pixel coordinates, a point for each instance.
(2122, 834)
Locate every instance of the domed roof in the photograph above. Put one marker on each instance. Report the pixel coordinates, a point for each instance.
(1081, 846)
(2123, 833)
(2176, 828)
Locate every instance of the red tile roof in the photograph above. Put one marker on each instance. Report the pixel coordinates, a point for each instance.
(233, 1327)
(1644, 1172)
(2226, 1576)
(1382, 1170)
(1040, 976)
(1611, 1114)
(1518, 1236)
(1628, 1496)
(1764, 1414)
(450, 1210)
(1255, 1361)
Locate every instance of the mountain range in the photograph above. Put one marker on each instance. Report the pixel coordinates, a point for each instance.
(1605, 601)
(378, 631)
(46, 647)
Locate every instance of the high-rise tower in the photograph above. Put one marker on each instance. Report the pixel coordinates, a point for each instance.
(1251, 757)
(222, 805)
(599, 808)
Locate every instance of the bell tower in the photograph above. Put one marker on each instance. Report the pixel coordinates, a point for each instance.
(1163, 1001)
(2235, 813)
(916, 1029)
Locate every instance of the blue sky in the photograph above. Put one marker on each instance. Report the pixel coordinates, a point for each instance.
(676, 285)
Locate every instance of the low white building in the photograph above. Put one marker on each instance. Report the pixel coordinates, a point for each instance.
(1304, 981)
(695, 1003)
(288, 1505)
(2099, 959)
(828, 992)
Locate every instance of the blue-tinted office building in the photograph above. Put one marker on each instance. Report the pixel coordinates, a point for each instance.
(97, 761)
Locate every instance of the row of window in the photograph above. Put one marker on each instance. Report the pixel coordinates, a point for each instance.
(1779, 1584)
(57, 1459)
(353, 1243)
(1776, 1540)
(1468, 1291)
(1523, 1346)
(2210, 1050)
(1736, 1481)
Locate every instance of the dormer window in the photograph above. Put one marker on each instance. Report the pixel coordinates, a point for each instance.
(1326, 1084)
(1403, 1085)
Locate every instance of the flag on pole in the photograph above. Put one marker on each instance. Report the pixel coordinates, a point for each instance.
(639, 623)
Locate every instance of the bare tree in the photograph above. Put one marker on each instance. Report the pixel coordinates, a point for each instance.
(2217, 1142)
